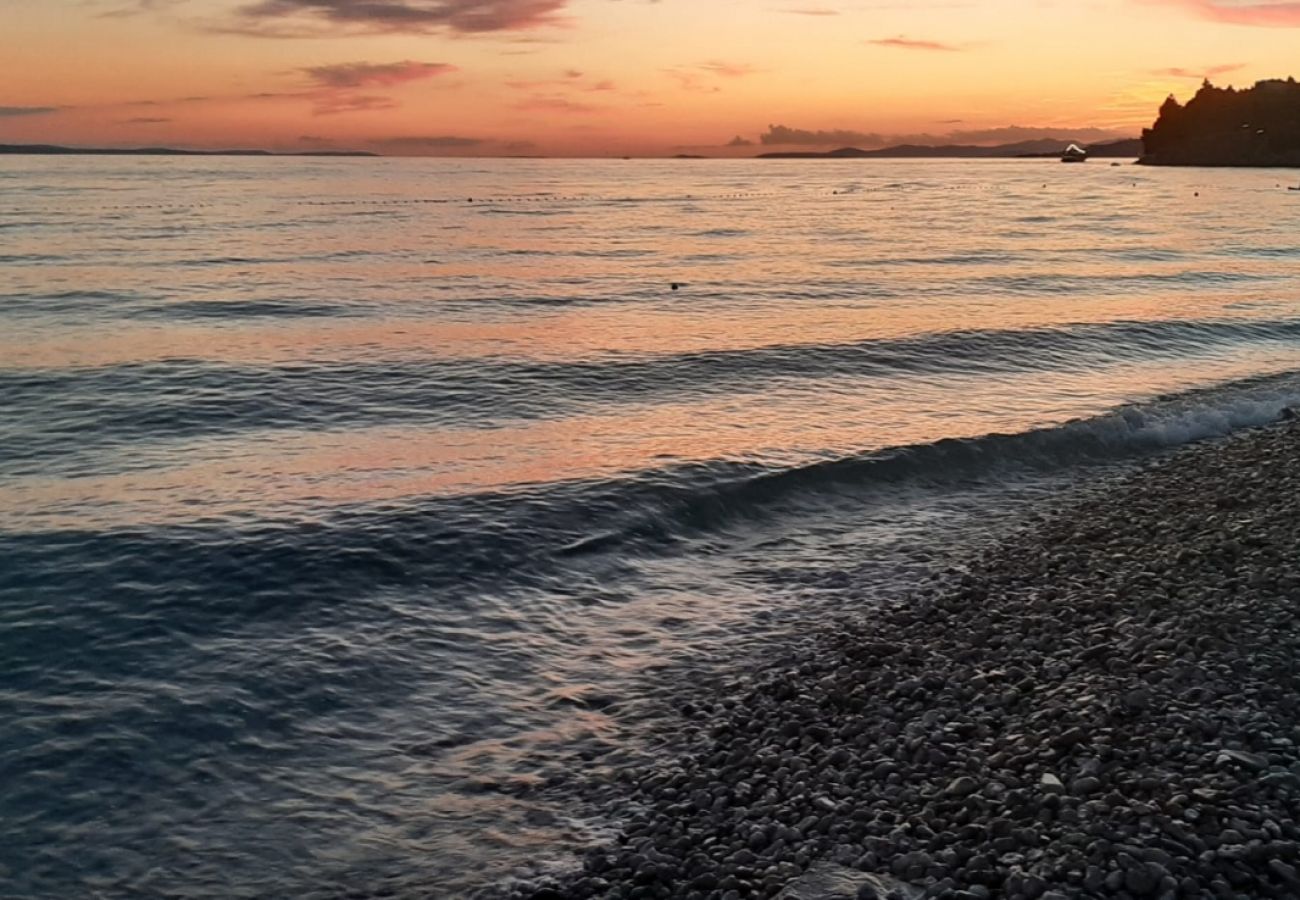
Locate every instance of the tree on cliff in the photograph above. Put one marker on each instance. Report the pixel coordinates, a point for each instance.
(1223, 126)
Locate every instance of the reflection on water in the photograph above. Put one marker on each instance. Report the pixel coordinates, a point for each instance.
(342, 516)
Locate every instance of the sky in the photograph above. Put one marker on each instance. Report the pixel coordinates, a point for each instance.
(615, 77)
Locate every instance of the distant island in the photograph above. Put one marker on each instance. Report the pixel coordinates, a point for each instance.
(1044, 147)
(1259, 126)
(55, 150)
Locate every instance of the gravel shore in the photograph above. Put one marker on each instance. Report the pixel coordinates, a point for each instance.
(1106, 705)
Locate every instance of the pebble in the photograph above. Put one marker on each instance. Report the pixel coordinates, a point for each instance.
(1102, 705)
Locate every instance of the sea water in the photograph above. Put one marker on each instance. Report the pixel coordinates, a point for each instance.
(348, 504)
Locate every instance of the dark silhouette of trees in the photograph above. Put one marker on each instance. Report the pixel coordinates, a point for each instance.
(1259, 126)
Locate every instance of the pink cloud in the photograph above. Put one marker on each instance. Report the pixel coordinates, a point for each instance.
(1207, 72)
(333, 104)
(906, 43)
(363, 74)
(298, 18)
(728, 70)
(572, 80)
(1262, 14)
(555, 104)
(701, 76)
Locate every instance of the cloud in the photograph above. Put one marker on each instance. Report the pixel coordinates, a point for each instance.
(335, 82)
(702, 77)
(571, 80)
(363, 74)
(9, 112)
(428, 142)
(295, 18)
(728, 70)
(555, 104)
(333, 104)
(1207, 72)
(784, 136)
(906, 43)
(138, 7)
(1266, 14)
(146, 120)
(811, 11)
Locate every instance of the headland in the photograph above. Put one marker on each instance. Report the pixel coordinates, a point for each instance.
(1259, 126)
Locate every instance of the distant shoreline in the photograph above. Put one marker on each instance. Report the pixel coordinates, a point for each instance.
(57, 150)
(1123, 149)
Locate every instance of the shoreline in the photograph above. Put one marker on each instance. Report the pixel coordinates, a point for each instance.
(1105, 704)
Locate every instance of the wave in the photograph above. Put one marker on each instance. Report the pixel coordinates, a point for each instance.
(74, 411)
(554, 536)
(234, 309)
(82, 302)
(1048, 283)
(1135, 430)
(10, 259)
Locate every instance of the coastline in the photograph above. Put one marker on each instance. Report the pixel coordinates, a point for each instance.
(1105, 704)
(1212, 162)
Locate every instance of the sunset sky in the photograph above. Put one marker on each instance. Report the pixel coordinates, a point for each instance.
(601, 77)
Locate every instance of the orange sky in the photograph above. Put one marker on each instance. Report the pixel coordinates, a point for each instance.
(614, 77)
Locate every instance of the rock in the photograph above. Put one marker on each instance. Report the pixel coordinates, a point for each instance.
(1094, 878)
(1033, 887)
(1083, 787)
(1050, 784)
(827, 881)
(1069, 738)
(1252, 761)
(1143, 878)
(962, 787)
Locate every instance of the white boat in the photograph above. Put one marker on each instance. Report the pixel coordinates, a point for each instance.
(1074, 154)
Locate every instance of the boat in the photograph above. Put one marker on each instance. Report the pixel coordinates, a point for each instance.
(1074, 154)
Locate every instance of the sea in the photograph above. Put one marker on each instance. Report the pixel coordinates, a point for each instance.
(349, 508)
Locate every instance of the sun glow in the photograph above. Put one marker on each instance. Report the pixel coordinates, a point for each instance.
(598, 77)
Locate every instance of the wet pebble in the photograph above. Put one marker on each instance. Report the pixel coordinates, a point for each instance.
(1104, 705)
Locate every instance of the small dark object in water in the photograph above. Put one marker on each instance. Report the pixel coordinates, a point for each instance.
(675, 285)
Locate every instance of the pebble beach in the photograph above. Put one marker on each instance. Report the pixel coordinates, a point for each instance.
(1107, 704)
